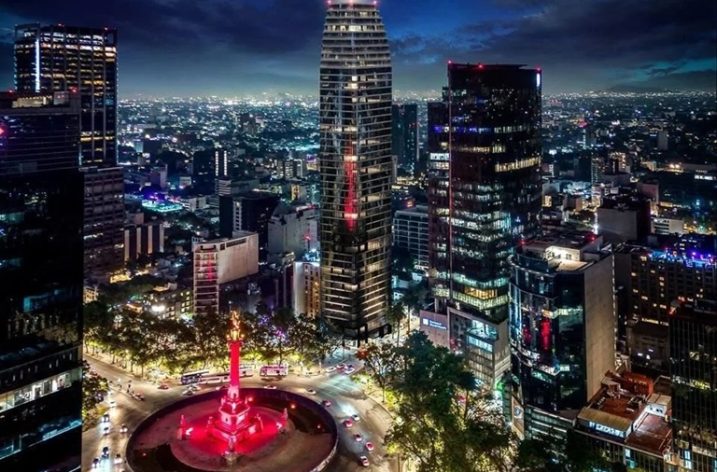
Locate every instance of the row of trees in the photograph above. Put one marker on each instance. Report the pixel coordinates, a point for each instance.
(142, 339)
(443, 423)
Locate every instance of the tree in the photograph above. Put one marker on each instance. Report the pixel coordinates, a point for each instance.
(379, 361)
(94, 388)
(396, 314)
(432, 425)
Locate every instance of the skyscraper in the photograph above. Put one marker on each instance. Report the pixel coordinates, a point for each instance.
(404, 133)
(562, 325)
(58, 57)
(484, 196)
(356, 167)
(40, 282)
(55, 58)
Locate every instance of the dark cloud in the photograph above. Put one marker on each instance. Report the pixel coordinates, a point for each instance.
(244, 46)
(609, 38)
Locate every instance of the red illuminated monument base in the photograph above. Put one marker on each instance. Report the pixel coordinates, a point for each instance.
(238, 427)
(237, 430)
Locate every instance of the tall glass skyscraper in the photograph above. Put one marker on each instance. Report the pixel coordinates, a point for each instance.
(55, 58)
(40, 283)
(484, 197)
(58, 57)
(356, 168)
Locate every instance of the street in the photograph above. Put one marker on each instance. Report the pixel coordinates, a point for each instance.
(346, 397)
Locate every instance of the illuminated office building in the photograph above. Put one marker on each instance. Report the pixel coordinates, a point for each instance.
(40, 283)
(562, 326)
(356, 168)
(484, 197)
(55, 58)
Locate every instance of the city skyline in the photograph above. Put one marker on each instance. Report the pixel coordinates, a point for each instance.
(168, 47)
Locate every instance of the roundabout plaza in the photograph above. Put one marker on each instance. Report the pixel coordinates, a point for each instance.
(236, 429)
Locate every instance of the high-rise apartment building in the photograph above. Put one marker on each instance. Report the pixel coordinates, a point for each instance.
(356, 167)
(562, 325)
(40, 282)
(654, 280)
(404, 133)
(293, 229)
(55, 58)
(484, 197)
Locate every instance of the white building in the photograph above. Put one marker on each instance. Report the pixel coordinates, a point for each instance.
(220, 261)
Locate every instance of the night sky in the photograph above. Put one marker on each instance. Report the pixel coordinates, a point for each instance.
(241, 47)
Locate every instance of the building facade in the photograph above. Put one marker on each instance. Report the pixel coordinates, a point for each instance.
(356, 168)
(219, 262)
(59, 58)
(307, 275)
(143, 240)
(104, 220)
(410, 231)
(659, 278)
(404, 133)
(562, 324)
(40, 282)
(693, 369)
(484, 197)
(56, 58)
(293, 229)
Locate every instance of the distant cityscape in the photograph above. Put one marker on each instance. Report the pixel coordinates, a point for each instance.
(478, 279)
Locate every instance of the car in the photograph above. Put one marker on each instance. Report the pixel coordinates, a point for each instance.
(331, 368)
(96, 463)
(311, 391)
(106, 452)
(163, 387)
(106, 430)
(364, 461)
(358, 437)
(326, 403)
(118, 459)
(270, 387)
(356, 417)
(348, 423)
(123, 428)
(369, 446)
(106, 418)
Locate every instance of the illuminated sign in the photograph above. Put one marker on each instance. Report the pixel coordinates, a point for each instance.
(433, 324)
(606, 429)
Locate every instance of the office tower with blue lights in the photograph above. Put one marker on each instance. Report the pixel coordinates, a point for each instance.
(484, 197)
(41, 195)
(404, 134)
(356, 168)
(56, 58)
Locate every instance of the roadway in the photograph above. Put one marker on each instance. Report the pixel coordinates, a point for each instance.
(345, 395)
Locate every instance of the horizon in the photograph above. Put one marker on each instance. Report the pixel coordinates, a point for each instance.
(243, 48)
